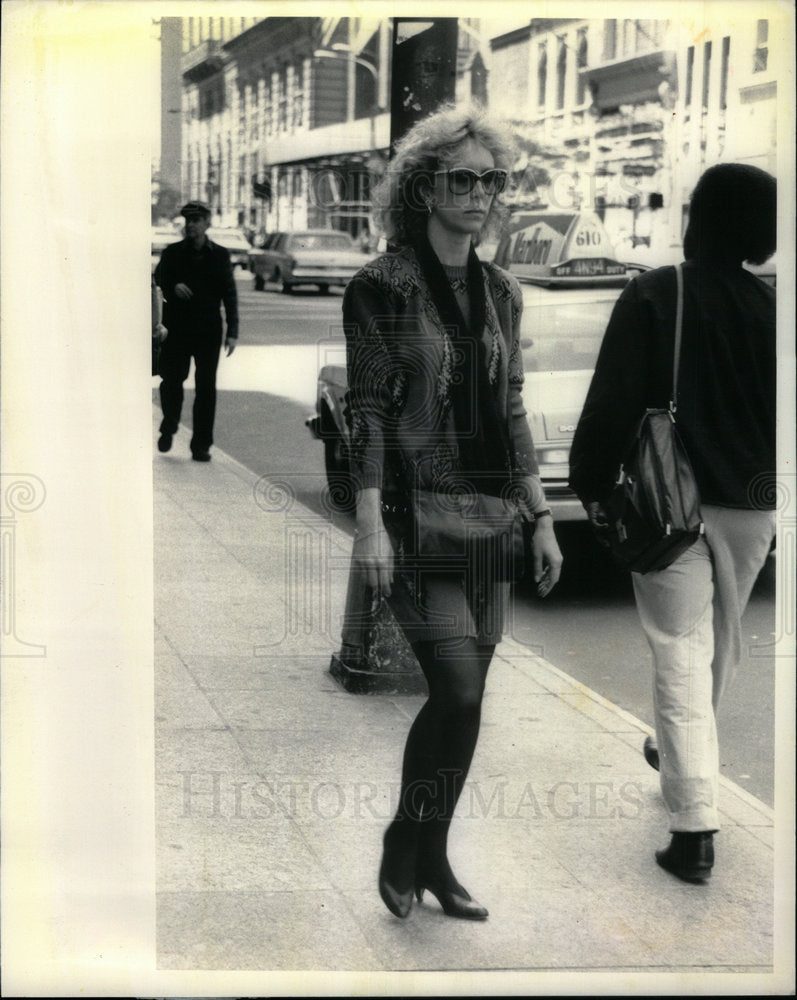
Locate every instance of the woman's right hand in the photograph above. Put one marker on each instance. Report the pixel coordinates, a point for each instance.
(374, 553)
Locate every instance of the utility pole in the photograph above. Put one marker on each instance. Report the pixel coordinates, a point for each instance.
(424, 70)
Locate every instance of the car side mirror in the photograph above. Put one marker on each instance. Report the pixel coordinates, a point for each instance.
(526, 343)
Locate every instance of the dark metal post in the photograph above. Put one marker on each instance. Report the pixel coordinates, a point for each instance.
(424, 70)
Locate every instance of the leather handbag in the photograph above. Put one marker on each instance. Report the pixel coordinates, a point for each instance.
(468, 528)
(654, 508)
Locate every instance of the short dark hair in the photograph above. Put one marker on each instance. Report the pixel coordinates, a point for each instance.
(733, 215)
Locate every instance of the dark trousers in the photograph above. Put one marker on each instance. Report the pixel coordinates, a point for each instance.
(175, 362)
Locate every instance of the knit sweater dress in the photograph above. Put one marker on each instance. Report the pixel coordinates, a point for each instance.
(401, 363)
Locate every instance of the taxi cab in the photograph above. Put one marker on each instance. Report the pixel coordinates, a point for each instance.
(556, 249)
(570, 279)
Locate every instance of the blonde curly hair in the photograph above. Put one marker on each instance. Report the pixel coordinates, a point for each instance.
(434, 143)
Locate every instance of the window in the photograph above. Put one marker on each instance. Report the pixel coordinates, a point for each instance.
(761, 55)
(268, 116)
(610, 40)
(298, 94)
(282, 100)
(629, 37)
(581, 63)
(726, 50)
(644, 40)
(561, 73)
(706, 72)
(542, 73)
(690, 72)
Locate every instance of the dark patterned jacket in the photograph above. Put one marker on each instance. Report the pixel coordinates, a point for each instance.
(400, 361)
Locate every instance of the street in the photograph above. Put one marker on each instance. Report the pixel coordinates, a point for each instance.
(588, 627)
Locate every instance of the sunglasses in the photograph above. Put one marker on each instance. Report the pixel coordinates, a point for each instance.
(462, 180)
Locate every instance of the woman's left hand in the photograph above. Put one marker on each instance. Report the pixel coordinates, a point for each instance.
(547, 557)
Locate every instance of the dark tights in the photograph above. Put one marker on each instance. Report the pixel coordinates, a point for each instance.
(437, 757)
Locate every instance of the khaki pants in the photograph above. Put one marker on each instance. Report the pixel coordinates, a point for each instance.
(691, 614)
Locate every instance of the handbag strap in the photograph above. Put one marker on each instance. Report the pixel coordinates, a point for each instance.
(679, 318)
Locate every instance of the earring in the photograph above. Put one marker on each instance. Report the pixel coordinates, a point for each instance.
(430, 205)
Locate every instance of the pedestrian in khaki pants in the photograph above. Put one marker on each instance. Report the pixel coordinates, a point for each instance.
(691, 611)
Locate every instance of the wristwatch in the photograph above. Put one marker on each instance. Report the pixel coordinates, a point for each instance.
(546, 512)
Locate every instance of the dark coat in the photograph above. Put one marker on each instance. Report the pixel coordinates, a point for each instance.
(209, 276)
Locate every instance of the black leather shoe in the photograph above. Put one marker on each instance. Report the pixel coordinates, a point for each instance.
(690, 856)
(164, 441)
(396, 872)
(455, 902)
(399, 903)
(200, 456)
(651, 752)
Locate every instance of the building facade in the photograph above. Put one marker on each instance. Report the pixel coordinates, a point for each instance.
(286, 121)
(626, 114)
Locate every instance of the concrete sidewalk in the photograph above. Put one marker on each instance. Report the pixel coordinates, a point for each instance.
(274, 785)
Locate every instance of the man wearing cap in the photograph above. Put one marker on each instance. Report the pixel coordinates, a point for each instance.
(195, 276)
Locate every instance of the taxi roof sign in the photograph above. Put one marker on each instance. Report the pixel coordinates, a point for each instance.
(552, 248)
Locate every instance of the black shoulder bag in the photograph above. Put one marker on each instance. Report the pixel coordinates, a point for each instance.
(654, 508)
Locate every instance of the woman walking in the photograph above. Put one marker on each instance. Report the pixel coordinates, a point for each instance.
(435, 378)
(691, 610)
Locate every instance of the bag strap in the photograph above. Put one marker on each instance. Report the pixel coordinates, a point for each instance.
(679, 317)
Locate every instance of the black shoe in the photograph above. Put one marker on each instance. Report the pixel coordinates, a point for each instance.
(690, 856)
(455, 902)
(396, 872)
(165, 441)
(651, 752)
(200, 456)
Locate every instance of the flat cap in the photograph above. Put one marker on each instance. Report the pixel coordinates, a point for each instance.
(195, 208)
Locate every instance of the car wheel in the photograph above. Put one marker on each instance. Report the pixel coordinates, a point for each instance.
(323, 289)
(339, 480)
(282, 284)
(260, 283)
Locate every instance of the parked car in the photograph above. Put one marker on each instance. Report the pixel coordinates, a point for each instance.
(234, 241)
(566, 311)
(321, 257)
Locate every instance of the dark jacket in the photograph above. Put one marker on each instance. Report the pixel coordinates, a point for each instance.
(208, 273)
(399, 357)
(726, 388)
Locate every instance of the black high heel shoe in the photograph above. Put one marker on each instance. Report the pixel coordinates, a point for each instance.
(455, 902)
(395, 872)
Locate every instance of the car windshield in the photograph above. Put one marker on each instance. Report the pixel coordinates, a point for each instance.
(565, 326)
(320, 241)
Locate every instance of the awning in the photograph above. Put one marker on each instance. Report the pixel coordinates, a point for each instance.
(631, 81)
